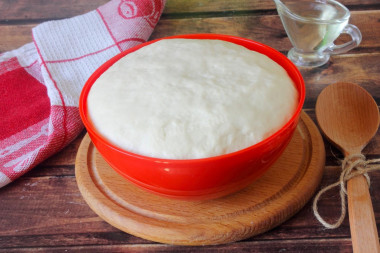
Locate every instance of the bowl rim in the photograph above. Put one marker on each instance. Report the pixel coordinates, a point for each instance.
(280, 59)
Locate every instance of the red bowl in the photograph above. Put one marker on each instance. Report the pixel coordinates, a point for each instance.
(205, 178)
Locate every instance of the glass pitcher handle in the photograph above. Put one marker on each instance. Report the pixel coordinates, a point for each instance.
(356, 37)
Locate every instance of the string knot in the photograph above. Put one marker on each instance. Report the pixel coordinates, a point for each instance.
(352, 166)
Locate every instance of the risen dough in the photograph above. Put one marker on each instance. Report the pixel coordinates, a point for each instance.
(187, 99)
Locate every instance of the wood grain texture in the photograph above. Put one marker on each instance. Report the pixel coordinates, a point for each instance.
(364, 233)
(267, 29)
(362, 69)
(349, 117)
(268, 202)
(57, 9)
(27, 221)
(309, 246)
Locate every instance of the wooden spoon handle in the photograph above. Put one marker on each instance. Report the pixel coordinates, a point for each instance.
(362, 219)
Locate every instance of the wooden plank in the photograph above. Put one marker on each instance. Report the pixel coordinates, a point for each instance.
(311, 246)
(45, 10)
(266, 29)
(363, 69)
(47, 211)
(196, 6)
(43, 206)
(24, 10)
(15, 36)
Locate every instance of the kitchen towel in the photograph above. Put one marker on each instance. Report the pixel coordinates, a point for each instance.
(40, 82)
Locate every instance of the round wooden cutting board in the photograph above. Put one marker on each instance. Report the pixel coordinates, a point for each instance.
(282, 191)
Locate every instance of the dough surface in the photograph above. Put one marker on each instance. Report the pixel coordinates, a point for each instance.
(190, 99)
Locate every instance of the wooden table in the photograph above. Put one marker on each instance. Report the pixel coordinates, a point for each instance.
(43, 211)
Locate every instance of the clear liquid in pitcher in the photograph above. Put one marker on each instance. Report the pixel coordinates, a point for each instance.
(312, 26)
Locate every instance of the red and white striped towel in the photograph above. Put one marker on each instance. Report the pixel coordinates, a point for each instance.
(40, 83)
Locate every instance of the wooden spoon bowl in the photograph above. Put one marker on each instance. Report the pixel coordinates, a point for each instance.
(348, 116)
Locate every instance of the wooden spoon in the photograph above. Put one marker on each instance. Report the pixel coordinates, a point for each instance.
(349, 117)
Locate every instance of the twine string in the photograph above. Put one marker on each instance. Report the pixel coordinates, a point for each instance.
(352, 166)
